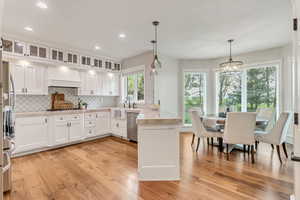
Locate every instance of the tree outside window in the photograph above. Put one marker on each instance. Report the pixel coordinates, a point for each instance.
(134, 87)
(194, 93)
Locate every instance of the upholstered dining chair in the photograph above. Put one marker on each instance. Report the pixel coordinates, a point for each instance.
(269, 115)
(277, 135)
(200, 113)
(239, 129)
(201, 132)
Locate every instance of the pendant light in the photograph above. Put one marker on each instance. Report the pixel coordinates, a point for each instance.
(231, 65)
(156, 64)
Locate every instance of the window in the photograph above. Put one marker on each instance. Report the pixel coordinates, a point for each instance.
(248, 90)
(230, 91)
(261, 88)
(134, 87)
(194, 93)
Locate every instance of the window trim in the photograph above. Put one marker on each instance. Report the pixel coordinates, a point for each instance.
(205, 73)
(133, 70)
(279, 96)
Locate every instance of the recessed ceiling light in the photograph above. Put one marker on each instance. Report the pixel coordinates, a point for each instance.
(97, 47)
(122, 35)
(41, 4)
(28, 28)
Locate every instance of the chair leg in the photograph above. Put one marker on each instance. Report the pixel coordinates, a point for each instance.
(248, 149)
(220, 144)
(272, 146)
(227, 151)
(193, 139)
(244, 148)
(256, 145)
(212, 141)
(207, 141)
(278, 152)
(198, 144)
(284, 149)
(252, 154)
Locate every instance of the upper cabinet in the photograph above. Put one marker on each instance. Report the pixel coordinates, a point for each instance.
(109, 84)
(72, 58)
(57, 55)
(89, 83)
(29, 79)
(37, 51)
(86, 60)
(97, 63)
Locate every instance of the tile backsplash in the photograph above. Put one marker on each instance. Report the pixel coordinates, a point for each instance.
(34, 103)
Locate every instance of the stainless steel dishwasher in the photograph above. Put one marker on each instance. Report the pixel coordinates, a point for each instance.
(132, 126)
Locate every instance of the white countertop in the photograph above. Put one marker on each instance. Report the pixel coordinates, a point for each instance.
(68, 112)
(157, 118)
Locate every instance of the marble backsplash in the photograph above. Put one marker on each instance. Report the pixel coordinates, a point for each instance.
(34, 103)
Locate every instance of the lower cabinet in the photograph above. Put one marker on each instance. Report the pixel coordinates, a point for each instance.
(31, 133)
(67, 128)
(61, 133)
(97, 124)
(119, 127)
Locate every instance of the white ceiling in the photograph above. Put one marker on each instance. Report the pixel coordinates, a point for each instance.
(189, 28)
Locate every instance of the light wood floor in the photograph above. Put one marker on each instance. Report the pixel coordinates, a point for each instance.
(107, 169)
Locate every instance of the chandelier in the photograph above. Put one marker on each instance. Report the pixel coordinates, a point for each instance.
(231, 65)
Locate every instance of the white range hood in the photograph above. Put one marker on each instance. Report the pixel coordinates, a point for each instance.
(63, 77)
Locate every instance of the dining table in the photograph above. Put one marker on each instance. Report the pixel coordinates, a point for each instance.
(219, 123)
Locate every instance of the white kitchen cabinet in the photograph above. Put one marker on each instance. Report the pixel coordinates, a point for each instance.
(89, 83)
(119, 127)
(97, 124)
(102, 123)
(57, 55)
(31, 133)
(37, 51)
(61, 133)
(29, 79)
(68, 128)
(72, 58)
(76, 131)
(109, 84)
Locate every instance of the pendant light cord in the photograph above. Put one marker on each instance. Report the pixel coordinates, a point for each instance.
(155, 39)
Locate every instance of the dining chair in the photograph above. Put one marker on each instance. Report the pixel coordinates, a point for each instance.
(200, 113)
(239, 129)
(200, 130)
(277, 135)
(267, 114)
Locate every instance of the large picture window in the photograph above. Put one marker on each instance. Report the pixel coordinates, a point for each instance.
(249, 90)
(194, 93)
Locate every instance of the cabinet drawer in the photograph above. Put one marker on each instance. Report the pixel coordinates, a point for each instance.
(90, 132)
(90, 123)
(102, 115)
(74, 117)
(89, 116)
(61, 118)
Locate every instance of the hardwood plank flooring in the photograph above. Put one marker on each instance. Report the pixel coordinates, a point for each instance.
(106, 169)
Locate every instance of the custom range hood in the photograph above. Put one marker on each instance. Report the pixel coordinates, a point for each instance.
(63, 77)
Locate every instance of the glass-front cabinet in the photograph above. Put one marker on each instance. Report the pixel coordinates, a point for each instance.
(14, 46)
(72, 58)
(39, 51)
(57, 55)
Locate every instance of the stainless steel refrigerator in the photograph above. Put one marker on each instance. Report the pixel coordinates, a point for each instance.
(7, 121)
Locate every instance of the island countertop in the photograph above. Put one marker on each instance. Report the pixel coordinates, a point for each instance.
(157, 118)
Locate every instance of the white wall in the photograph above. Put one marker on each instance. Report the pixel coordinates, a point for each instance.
(166, 85)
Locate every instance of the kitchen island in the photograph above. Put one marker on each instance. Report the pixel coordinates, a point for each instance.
(158, 146)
